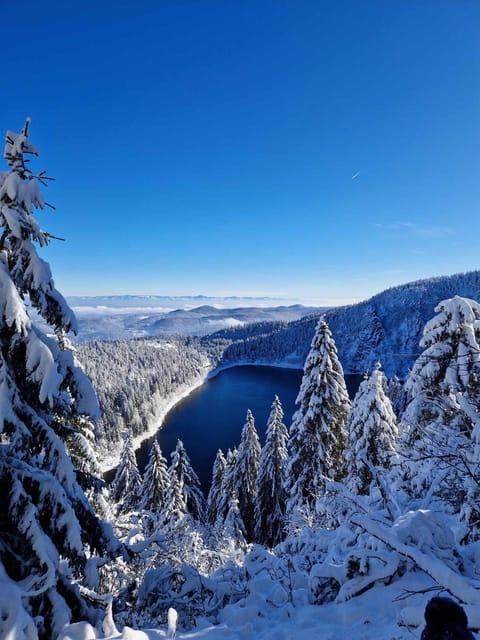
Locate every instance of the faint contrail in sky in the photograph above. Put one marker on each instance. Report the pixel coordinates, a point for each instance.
(355, 175)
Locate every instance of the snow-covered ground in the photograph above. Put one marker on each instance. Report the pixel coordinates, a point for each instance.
(376, 615)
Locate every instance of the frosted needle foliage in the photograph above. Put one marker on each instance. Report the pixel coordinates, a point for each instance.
(317, 434)
(44, 399)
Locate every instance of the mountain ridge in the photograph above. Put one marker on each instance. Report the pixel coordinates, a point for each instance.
(387, 328)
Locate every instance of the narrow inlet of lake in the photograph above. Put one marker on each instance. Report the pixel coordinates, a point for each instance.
(212, 416)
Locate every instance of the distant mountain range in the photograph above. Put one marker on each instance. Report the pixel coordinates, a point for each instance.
(122, 317)
(169, 303)
(387, 327)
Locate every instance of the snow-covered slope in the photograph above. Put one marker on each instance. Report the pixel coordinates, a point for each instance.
(387, 327)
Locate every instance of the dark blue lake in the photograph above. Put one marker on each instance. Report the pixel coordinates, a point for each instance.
(212, 416)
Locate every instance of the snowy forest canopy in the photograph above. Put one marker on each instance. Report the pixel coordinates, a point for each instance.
(136, 379)
(349, 496)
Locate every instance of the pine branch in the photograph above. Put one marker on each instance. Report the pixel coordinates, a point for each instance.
(47, 236)
(408, 593)
(41, 177)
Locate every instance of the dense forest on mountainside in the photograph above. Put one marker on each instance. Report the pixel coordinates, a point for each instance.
(354, 497)
(133, 378)
(387, 327)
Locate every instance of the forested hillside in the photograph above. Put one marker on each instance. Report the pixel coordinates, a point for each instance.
(350, 497)
(135, 378)
(387, 327)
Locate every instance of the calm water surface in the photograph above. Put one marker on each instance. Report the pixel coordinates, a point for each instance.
(212, 416)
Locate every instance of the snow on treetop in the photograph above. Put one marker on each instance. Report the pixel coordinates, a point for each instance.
(17, 144)
(453, 314)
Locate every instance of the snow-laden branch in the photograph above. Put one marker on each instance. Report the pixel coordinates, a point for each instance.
(455, 584)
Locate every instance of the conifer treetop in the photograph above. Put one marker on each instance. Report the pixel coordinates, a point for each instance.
(31, 276)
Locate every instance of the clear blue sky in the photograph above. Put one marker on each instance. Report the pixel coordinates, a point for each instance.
(322, 149)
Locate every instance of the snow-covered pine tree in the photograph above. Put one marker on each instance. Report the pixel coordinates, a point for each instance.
(442, 419)
(317, 434)
(214, 499)
(155, 481)
(271, 497)
(188, 480)
(127, 484)
(48, 524)
(444, 381)
(234, 526)
(175, 507)
(371, 433)
(246, 473)
(228, 487)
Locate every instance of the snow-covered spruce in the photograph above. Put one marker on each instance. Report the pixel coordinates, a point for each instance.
(246, 473)
(127, 483)
(371, 434)
(442, 420)
(234, 527)
(228, 489)
(270, 502)
(48, 525)
(155, 481)
(181, 469)
(317, 434)
(214, 494)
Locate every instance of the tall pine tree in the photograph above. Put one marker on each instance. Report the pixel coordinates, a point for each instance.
(372, 433)
(228, 490)
(234, 526)
(188, 480)
(155, 481)
(214, 500)
(175, 506)
(48, 526)
(246, 473)
(127, 483)
(317, 434)
(271, 497)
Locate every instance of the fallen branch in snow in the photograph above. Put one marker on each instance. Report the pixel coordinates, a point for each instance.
(408, 593)
(388, 564)
(452, 582)
(157, 538)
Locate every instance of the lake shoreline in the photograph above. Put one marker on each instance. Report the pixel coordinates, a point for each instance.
(110, 462)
